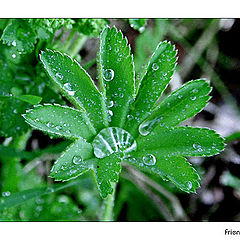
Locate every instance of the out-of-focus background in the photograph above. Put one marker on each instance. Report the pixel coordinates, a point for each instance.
(207, 48)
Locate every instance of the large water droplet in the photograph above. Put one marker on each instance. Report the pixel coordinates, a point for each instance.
(112, 140)
(77, 159)
(149, 159)
(108, 75)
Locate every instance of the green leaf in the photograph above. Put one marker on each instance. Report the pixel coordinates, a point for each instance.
(74, 82)
(74, 161)
(18, 198)
(186, 141)
(162, 152)
(151, 84)
(19, 35)
(60, 120)
(91, 26)
(107, 172)
(12, 123)
(174, 168)
(138, 23)
(34, 100)
(116, 74)
(182, 104)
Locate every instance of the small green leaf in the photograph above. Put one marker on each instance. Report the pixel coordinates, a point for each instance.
(138, 23)
(91, 26)
(18, 198)
(116, 74)
(74, 82)
(186, 141)
(230, 180)
(19, 35)
(107, 172)
(34, 100)
(182, 104)
(174, 168)
(151, 84)
(74, 161)
(60, 120)
(12, 123)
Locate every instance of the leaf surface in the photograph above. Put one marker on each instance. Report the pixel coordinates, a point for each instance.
(60, 120)
(152, 82)
(73, 162)
(107, 172)
(116, 74)
(174, 168)
(182, 104)
(186, 141)
(74, 82)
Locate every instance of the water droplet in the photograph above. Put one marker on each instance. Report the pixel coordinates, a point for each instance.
(14, 43)
(59, 75)
(155, 67)
(195, 90)
(149, 160)
(108, 75)
(130, 117)
(110, 113)
(14, 55)
(6, 194)
(111, 103)
(189, 185)
(179, 96)
(77, 159)
(68, 87)
(193, 98)
(112, 140)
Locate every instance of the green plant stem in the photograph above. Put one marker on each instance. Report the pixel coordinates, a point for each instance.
(69, 40)
(77, 45)
(233, 137)
(108, 205)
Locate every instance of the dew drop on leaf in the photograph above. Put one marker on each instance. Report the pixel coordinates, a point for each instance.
(155, 67)
(108, 75)
(193, 98)
(77, 159)
(59, 75)
(189, 185)
(14, 43)
(149, 159)
(14, 55)
(112, 140)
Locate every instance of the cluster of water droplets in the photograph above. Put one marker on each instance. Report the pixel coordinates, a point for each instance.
(112, 140)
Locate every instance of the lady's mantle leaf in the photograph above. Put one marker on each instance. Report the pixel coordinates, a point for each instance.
(185, 141)
(116, 74)
(162, 152)
(151, 84)
(138, 23)
(60, 120)
(182, 104)
(74, 82)
(75, 161)
(174, 168)
(107, 172)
